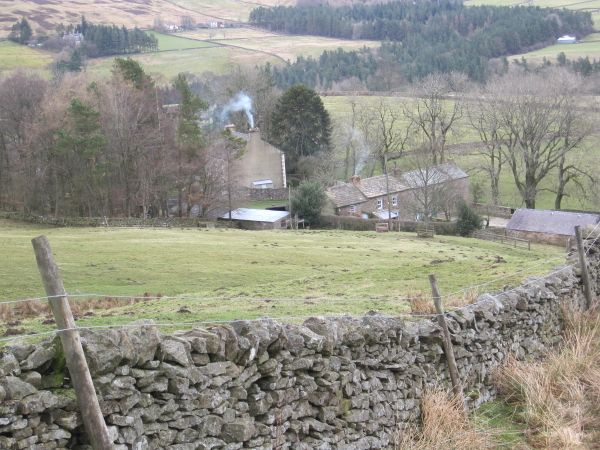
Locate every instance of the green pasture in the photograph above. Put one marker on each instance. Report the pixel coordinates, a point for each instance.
(173, 42)
(14, 56)
(166, 65)
(590, 47)
(245, 274)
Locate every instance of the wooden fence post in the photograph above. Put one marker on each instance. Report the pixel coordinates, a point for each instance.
(448, 349)
(585, 276)
(78, 369)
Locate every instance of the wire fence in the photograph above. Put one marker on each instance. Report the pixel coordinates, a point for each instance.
(143, 322)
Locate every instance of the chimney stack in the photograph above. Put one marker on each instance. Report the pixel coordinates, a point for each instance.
(355, 180)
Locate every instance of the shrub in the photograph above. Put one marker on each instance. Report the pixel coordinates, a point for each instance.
(468, 220)
(308, 201)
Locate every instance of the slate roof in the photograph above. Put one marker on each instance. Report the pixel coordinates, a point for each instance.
(255, 215)
(433, 175)
(376, 186)
(345, 194)
(550, 222)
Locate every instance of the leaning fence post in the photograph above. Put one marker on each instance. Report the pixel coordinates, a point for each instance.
(448, 349)
(89, 407)
(585, 276)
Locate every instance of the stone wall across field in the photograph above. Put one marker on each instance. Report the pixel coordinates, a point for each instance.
(330, 383)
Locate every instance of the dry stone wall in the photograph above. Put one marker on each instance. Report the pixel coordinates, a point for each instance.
(331, 383)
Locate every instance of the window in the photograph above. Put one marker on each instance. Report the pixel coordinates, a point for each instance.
(379, 203)
(352, 209)
(394, 201)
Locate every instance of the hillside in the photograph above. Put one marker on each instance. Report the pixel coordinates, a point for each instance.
(44, 15)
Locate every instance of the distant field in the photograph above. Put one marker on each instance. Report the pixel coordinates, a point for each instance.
(229, 9)
(14, 56)
(172, 42)
(228, 33)
(166, 65)
(188, 54)
(590, 47)
(290, 47)
(44, 15)
(242, 274)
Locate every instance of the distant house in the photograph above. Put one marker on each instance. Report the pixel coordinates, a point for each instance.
(566, 39)
(369, 196)
(550, 227)
(261, 166)
(258, 219)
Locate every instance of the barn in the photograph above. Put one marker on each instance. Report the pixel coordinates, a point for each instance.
(549, 227)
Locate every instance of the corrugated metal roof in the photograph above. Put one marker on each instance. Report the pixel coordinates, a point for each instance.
(550, 222)
(345, 194)
(256, 215)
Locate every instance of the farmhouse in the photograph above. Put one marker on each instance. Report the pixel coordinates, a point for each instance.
(550, 227)
(258, 219)
(261, 166)
(369, 196)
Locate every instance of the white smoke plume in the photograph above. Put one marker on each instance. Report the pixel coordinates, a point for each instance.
(241, 102)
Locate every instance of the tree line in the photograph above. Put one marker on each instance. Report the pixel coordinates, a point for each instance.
(419, 37)
(99, 148)
(106, 40)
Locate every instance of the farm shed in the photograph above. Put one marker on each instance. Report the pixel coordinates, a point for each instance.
(549, 227)
(258, 219)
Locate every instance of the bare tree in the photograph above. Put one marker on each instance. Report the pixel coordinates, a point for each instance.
(21, 96)
(434, 116)
(429, 194)
(542, 126)
(386, 133)
(483, 118)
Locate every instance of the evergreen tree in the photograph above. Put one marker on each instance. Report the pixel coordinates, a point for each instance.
(300, 125)
(21, 32)
(308, 201)
(133, 72)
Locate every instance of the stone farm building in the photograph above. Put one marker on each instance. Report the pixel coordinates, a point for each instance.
(369, 196)
(261, 165)
(550, 227)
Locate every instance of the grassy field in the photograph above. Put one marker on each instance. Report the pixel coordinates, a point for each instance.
(242, 274)
(14, 56)
(164, 66)
(590, 47)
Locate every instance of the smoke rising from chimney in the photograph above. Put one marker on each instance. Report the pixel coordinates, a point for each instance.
(241, 102)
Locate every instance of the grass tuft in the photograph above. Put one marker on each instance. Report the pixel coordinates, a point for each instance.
(444, 426)
(560, 396)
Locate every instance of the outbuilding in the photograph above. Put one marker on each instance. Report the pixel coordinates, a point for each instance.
(549, 227)
(258, 219)
(566, 39)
